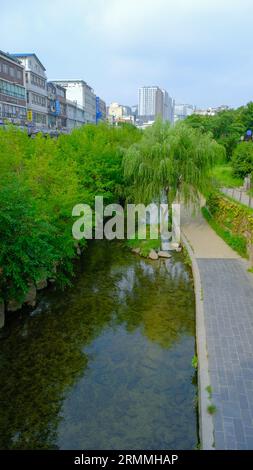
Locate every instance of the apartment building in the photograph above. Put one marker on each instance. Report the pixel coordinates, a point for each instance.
(36, 87)
(12, 90)
(56, 106)
(82, 94)
(151, 100)
(75, 115)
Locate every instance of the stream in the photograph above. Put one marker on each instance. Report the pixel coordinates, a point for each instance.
(105, 364)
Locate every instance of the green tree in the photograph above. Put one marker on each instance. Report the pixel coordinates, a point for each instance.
(242, 160)
(175, 160)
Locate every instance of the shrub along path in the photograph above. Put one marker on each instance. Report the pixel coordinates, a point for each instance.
(227, 291)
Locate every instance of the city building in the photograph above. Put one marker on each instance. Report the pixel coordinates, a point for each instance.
(211, 111)
(119, 113)
(150, 103)
(100, 109)
(36, 87)
(12, 90)
(168, 107)
(181, 111)
(56, 103)
(82, 94)
(75, 115)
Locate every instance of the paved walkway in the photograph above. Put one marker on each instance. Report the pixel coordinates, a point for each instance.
(227, 290)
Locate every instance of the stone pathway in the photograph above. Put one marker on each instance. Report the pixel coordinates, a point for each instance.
(227, 290)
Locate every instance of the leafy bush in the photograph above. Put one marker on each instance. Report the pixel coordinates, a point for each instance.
(242, 160)
(41, 180)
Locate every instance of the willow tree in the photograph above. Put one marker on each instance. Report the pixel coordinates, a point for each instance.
(171, 160)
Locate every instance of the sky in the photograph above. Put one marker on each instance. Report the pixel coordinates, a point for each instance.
(200, 51)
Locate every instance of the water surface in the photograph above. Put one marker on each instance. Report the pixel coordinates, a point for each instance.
(105, 364)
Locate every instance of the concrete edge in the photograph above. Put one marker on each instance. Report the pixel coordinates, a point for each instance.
(206, 424)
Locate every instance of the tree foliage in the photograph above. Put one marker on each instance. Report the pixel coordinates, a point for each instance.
(41, 180)
(174, 160)
(227, 127)
(242, 160)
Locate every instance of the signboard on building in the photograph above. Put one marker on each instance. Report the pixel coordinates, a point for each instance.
(29, 115)
(57, 107)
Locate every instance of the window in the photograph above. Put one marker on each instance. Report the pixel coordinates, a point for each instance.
(19, 74)
(10, 89)
(12, 72)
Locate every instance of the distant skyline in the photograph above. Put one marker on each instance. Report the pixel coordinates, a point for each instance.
(199, 51)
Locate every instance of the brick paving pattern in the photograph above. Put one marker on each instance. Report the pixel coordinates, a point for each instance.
(228, 308)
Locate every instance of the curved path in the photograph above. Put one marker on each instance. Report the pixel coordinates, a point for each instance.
(224, 337)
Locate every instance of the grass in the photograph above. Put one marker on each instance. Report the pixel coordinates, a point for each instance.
(223, 177)
(211, 409)
(195, 362)
(236, 242)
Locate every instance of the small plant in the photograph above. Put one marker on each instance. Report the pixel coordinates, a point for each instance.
(187, 259)
(250, 270)
(195, 362)
(211, 409)
(209, 391)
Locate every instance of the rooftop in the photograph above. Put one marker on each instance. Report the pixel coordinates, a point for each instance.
(30, 54)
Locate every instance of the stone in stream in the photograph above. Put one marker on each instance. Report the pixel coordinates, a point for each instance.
(153, 254)
(163, 254)
(136, 251)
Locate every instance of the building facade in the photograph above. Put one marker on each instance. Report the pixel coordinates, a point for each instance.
(12, 90)
(82, 94)
(36, 87)
(56, 106)
(150, 103)
(119, 113)
(100, 110)
(168, 107)
(75, 115)
(182, 111)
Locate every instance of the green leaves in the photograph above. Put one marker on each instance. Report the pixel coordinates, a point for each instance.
(41, 180)
(174, 160)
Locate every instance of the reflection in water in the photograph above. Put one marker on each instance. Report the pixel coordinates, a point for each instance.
(107, 364)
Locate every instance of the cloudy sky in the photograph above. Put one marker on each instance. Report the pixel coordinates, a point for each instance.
(201, 51)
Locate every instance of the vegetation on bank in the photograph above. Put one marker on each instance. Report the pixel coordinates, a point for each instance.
(170, 161)
(41, 180)
(222, 176)
(226, 127)
(231, 221)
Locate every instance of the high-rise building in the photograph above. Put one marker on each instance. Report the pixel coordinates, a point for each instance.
(168, 107)
(182, 111)
(36, 87)
(78, 91)
(12, 90)
(150, 102)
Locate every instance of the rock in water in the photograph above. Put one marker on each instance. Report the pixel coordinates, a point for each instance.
(163, 254)
(153, 254)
